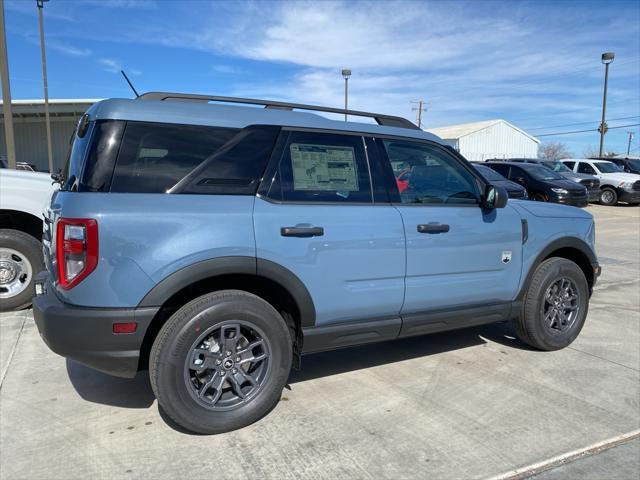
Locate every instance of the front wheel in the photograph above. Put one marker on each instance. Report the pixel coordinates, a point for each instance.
(220, 362)
(538, 197)
(608, 196)
(555, 305)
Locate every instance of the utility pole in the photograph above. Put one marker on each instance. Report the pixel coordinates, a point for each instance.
(606, 58)
(420, 108)
(6, 93)
(629, 144)
(40, 4)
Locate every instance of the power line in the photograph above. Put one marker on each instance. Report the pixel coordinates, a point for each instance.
(584, 131)
(580, 123)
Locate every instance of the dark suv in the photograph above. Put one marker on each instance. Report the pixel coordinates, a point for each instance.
(542, 183)
(215, 244)
(590, 182)
(629, 165)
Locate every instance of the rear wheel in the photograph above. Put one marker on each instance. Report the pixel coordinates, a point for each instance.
(608, 196)
(221, 362)
(555, 305)
(20, 261)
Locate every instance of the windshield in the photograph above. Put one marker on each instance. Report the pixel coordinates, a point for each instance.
(557, 167)
(488, 173)
(607, 167)
(541, 173)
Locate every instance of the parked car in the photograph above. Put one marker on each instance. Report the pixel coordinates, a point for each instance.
(615, 185)
(23, 196)
(30, 167)
(629, 165)
(542, 183)
(216, 244)
(513, 189)
(591, 183)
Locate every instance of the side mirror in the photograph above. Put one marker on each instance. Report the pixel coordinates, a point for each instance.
(495, 197)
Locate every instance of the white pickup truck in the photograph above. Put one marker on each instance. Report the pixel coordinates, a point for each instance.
(23, 196)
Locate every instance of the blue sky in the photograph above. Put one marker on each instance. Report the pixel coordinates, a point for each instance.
(535, 64)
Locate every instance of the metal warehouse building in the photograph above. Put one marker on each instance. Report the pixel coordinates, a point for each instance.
(30, 130)
(482, 141)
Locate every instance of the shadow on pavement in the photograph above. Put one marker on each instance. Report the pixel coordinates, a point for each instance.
(98, 387)
(349, 359)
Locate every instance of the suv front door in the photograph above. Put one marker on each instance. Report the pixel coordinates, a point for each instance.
(315, 216)
(459, 255)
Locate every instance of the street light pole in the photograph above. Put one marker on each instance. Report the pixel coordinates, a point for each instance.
(629, 144)
(346, 73)
(607, 58)
(6, 93)
(40, 4)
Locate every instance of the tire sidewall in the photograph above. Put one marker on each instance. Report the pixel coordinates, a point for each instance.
(191, 323)
(535, 302)
(614, 196)
(31, 249)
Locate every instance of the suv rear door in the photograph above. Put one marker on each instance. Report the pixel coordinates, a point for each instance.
(458, 254)
(315, 216)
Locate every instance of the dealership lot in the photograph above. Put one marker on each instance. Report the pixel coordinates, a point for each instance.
(472, 403)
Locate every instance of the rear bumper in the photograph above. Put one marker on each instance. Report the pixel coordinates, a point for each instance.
(86, 335)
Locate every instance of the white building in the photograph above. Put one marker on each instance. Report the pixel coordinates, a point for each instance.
(482, 141)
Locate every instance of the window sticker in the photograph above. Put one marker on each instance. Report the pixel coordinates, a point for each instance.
(323, 167)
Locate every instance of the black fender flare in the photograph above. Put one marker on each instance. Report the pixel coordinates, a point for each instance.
(564, 242)
(234, 265)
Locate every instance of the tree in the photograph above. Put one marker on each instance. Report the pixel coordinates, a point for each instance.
(554, 151)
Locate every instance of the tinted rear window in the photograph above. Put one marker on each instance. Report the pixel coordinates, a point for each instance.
(154, 157)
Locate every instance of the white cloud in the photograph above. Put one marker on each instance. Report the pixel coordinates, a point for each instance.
(110, 65)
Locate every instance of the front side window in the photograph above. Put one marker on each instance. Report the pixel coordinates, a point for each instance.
(570, 165)
(322, 167)
(606, 167)
(426, 174)
(154, 157)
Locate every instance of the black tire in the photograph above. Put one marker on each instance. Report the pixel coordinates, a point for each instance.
(174, 346)
(28, 259)
(530, 327)
(608, 196)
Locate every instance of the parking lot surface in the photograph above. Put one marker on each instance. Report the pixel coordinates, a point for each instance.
(473, 403)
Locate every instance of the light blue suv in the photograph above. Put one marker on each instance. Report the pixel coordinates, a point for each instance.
(214, 244)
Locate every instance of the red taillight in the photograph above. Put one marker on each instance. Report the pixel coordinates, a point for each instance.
(76, 250)
(125, 327)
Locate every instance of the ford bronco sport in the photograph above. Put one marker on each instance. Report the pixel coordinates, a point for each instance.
(214, 244)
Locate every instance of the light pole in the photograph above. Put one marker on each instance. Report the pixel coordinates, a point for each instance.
(346, 73)
(40, 4)
(629, 144)
(607, 58)
(6, 93)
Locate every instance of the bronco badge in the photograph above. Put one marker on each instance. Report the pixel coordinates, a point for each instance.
(506, 257)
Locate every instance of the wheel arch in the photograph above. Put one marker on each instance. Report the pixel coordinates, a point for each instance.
(22, 221)
(570, 248)
(268, 280)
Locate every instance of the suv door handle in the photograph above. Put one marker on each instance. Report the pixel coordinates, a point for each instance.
(304, 232)
(433, 228)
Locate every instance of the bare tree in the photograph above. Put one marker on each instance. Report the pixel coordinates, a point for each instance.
(590, 152)
(554, 151)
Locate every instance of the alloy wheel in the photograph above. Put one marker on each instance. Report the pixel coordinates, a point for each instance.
(227, 365)
(561, 306)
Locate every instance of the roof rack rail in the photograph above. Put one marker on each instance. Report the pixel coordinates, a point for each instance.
(386, 120)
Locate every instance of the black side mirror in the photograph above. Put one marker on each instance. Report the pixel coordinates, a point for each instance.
(495, 197)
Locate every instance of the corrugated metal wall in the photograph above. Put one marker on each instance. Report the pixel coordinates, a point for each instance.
(497, 141)
(31, 141)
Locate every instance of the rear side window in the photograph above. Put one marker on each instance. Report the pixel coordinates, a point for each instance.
(322, 167)
(154, 157)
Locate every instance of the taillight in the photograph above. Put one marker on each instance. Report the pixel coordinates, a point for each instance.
(76, 250)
